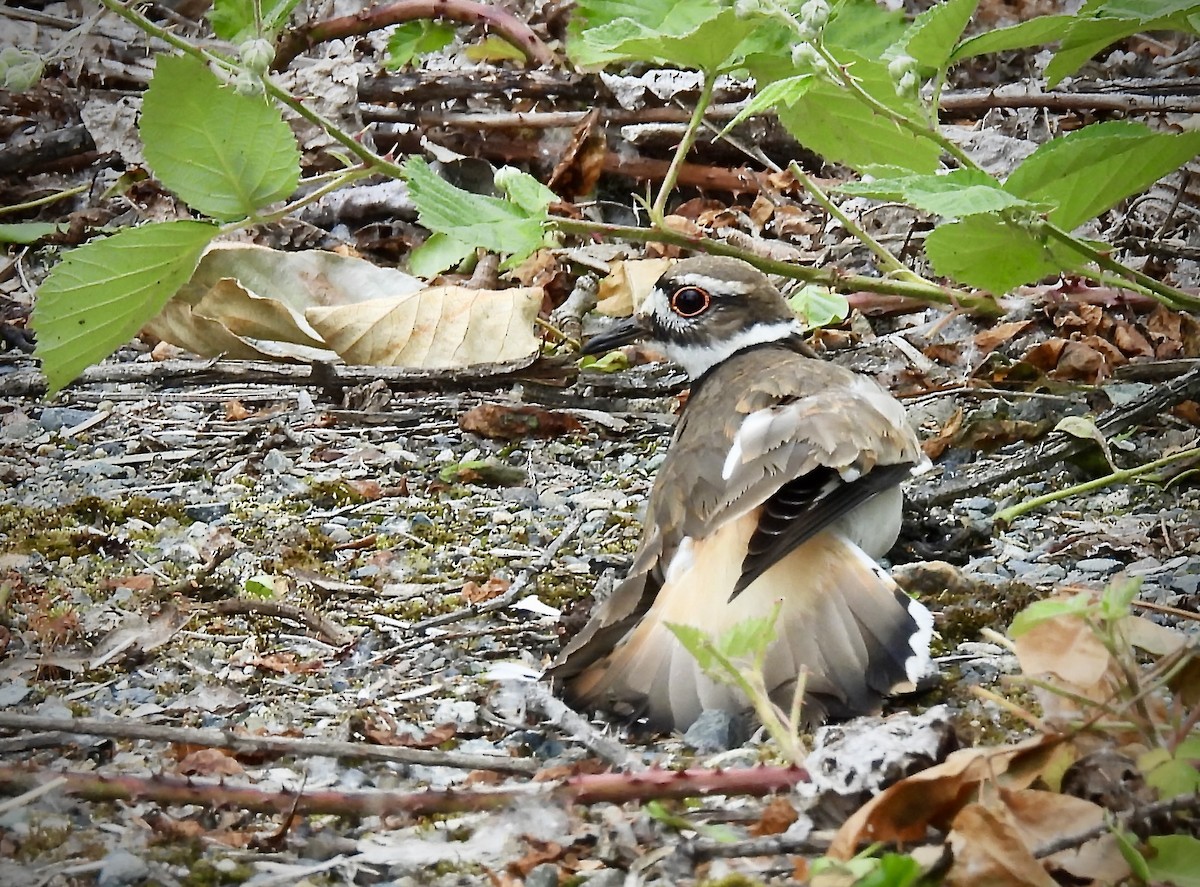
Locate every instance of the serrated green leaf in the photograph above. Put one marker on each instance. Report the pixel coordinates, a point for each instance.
(1099, 24)
(784, 92)
(748, 639)
(932, 35)
(1086, 172)
(818, 306)
(101, 294)
(1042, 611)
(864, 27)
(226, 154)
(834, 123)
(985, 252)
(473, 219)
(412, 39)
(700, 34)
(1035, 32)
(436, 254)
(961, 193)
(524, 190)
(1174, 859)
(235, 20)
(697, 643)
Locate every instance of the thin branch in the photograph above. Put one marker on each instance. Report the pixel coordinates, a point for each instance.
(494, 17)
(239, 742)
(685, 145)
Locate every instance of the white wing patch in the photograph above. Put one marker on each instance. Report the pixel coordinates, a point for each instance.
(749, 439)
(681, 560)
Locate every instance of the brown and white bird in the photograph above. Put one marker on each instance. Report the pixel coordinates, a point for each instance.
(781, 485)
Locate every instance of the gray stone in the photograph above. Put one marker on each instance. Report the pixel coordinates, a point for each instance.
(715, 730)
(206, 512)
(57, 418)
(544, 875)
(1099, 565)
(606, 878)
(122, 867)
(1187, 583)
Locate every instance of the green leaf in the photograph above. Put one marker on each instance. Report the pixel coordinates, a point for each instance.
(1086, 172)
(1108, 23)
(524, 190)
(698, 34)
(412, 39)
(234, 20)
(748, 639)
(988, 253)
(831, 121)
(1042, 611)
(226, 154)
(1174, 778)
(961, 193)
(893, 870)
(1128, 848)
(1035, 32)
(26, 233)
(100, 295)
(494, 48)
(473, 219)
(1175, 859)
(20, 69)
(1118, 595)
(864, 27)
(262, 585)
(697, 643)
(818, 306)
(781, 92)
(436, 254)
(930, 39)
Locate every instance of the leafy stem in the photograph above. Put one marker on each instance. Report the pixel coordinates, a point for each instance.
(355, 147)
(658, 211)
(920, 290)
(890, 263)
(343, 178)
(1168, 295)
(1123, 475)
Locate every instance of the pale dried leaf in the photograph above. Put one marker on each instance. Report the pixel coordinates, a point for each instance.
(1042, 817)
(445, 326)
(627, 284)
(989, 849)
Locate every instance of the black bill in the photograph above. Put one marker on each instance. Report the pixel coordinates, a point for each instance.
(620, 333)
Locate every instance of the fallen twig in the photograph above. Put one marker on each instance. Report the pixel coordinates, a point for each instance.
(590, 789)
(559, 714)
(330, 631)
(241, 742)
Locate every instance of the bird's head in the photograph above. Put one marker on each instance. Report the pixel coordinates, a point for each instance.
(703, 310)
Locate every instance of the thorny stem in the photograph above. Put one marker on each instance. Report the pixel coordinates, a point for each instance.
(685, 145)
(355, 147)
(926, 292)
(889, 262)
(1123, 475)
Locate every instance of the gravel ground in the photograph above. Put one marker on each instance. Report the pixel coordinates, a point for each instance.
(131, 517)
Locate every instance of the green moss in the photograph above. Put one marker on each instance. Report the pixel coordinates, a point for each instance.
(964, 613)
(207, 873)
(67, 532)
(736, 879)
(40, 840)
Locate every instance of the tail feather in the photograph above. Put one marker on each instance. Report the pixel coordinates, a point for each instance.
(842, 619)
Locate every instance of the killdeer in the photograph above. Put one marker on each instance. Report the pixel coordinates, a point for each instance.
(781, 485)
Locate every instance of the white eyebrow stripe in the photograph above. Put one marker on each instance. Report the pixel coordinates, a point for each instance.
(722, 284)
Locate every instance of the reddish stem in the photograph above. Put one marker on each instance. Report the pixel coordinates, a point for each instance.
(516, 32)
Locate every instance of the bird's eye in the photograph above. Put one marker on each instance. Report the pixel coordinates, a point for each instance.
(690, 301)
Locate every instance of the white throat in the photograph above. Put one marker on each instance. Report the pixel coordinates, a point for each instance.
(698, 359)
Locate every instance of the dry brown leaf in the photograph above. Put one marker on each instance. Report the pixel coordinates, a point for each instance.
(235, 411)
(989, 851)
(209, 762)
(474, 593)
(499, 421)
(934, 447)
(776, 818)
(990, 339)
(627, 284)
(438, 327)
(903, 811)
(1043, 817)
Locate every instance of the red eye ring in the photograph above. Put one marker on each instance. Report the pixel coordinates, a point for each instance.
(690, 301)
